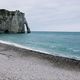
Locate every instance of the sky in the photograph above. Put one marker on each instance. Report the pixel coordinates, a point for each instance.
(47, 15)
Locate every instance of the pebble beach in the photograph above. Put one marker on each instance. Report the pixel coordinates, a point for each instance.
(22, 64)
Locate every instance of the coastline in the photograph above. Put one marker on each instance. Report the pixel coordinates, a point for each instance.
(53, 58)
(39, 51)
(15, 62)
(20, 46)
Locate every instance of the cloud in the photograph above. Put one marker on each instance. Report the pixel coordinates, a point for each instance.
(48, 14)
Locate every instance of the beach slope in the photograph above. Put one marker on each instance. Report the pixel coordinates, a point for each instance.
(22, 64)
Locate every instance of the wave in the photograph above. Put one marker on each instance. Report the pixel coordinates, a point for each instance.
(29, 48)
(21, 46)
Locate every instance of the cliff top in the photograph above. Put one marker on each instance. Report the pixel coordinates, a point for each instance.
(3, 11)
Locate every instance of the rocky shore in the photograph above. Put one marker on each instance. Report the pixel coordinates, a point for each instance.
(22, 64)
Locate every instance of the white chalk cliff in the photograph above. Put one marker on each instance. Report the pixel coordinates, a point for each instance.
(13, 22)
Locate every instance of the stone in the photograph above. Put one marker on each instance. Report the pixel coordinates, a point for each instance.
(13, 22)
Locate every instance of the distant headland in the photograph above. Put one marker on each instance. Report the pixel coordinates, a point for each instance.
(13, 22)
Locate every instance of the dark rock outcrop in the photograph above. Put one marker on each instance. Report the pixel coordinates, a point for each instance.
(13, 22)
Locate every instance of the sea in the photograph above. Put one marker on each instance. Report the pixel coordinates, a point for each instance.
(66, 44)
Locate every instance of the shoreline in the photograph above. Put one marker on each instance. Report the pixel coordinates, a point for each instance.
(20, 46)
(53, 58)
(17, 63)
(28, 48)
(39, 51)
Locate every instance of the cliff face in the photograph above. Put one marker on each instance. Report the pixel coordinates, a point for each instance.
(13, 22)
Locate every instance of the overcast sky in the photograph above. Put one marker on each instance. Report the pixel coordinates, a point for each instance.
(48, 15)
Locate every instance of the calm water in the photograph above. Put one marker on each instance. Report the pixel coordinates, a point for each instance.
(57, 43)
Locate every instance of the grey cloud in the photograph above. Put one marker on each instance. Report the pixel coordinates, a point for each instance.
(48, 13)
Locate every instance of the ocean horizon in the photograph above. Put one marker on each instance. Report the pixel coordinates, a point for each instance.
(66, 44)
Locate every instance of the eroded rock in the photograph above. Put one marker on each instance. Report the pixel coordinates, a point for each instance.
(13, 22)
